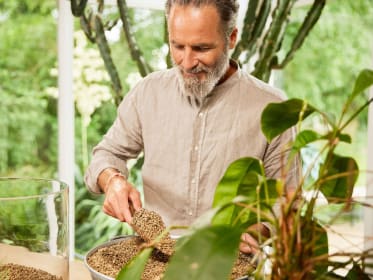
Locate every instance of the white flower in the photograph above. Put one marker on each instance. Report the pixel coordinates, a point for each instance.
(91, 81)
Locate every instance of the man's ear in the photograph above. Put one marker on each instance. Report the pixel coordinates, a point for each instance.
(233, 38)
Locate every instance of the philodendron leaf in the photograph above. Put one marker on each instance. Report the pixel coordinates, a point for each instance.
(304, 138)
(341, 137)
(345, 173)
(363, 81)
(242, 173)
(207, 217)
(278, 117)
(208, 254)
(133, 270)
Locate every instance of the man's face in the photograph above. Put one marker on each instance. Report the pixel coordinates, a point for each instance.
(198, 47)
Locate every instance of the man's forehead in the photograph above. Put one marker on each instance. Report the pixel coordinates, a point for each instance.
(194, 17)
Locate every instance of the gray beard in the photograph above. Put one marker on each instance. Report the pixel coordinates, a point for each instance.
(200, 89)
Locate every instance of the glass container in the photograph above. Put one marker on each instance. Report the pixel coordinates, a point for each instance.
(33, 229)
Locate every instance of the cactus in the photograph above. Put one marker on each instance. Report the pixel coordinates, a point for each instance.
(77, 7)
(312, 17)
(136, 53)
(254, 22)
(104, 49)
(262, 35)
(273, 38)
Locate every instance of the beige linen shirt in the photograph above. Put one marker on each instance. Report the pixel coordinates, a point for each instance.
(187, 147)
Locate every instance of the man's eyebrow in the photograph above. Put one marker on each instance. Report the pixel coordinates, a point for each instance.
(198, 45)
(204, 45)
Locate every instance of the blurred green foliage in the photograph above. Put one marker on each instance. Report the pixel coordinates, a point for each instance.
(334, 52)
(27, 117)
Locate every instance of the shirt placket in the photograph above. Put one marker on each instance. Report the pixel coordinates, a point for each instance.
(195, 163)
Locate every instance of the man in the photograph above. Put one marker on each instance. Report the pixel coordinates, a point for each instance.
(190, 121)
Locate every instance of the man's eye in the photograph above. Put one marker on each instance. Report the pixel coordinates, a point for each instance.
(202, 48)
(179, 47)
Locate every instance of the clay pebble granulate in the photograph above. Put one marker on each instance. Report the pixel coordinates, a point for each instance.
(12, 271)
(109, 260)
(149, 225)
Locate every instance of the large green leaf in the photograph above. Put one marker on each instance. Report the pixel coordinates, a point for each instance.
(278, 117)
(133, 270)
(342, 186)
(208, 254)
(240, 178)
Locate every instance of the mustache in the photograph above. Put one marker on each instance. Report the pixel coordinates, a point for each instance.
(195, 70)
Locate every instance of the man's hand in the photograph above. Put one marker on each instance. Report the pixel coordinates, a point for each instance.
(249, 240)
(119, 194)
(248, 245)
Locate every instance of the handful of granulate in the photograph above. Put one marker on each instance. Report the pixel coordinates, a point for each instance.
(149, 225)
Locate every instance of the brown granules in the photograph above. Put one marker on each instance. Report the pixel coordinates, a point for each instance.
(12, 271)
(149, 225)
(242, 266)
(109, 260)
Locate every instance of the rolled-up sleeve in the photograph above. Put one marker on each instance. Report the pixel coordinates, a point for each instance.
(123, 141)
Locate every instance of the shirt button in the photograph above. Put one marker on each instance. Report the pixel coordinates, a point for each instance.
(196, 148)
(200, 115)
(190, 213)
(193, 181)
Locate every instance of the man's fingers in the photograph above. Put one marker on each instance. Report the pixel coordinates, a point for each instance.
(134, 198)
(249, 244)
(117, 201)
(127, 213)
(107, 211)
(114, 211)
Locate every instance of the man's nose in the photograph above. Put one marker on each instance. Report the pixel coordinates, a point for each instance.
(189, 59)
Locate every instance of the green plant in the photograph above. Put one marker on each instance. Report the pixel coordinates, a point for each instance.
(245, 196)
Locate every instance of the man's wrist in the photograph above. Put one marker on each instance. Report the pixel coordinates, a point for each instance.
(107, 176)
(111, 177)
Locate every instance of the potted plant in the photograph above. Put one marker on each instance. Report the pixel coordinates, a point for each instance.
(298, 246)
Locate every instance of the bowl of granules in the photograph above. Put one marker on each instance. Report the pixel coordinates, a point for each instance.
(105, 261)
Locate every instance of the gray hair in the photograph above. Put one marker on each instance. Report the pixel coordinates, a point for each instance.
(227, 10)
